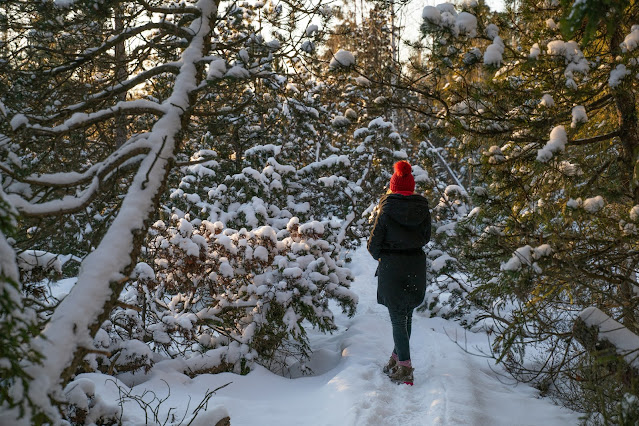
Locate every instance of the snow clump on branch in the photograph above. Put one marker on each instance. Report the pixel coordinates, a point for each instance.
(217, 69)
(524, 256)
(342, 58)
(617, 75)
(631, 41)
(547, 101)
(594, 204)
(445, 16)
(535, 51)
(557, 143)
(574, 59)
(578, 115)
(312, 29)
(494, 53)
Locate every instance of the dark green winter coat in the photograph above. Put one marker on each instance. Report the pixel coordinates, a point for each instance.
(400, 231)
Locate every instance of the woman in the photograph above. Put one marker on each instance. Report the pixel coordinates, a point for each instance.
(401, 229)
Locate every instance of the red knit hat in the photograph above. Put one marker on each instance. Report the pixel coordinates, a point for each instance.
(402, 180)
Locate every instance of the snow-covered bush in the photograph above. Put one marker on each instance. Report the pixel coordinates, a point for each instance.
(448, 287)
(226, 298)
(18, 325)
(348, 186)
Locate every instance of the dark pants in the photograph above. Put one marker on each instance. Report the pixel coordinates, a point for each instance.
(402, 320)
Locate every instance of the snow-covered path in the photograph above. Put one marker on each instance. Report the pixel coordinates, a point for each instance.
(452, 387)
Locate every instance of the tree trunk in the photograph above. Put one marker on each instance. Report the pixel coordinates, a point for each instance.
(121, 74)
(625, 104)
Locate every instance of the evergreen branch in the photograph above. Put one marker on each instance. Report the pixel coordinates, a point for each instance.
(170, 10)
(595, 139)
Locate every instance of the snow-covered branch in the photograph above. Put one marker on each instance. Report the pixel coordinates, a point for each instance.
(101, 169)
(81, 119)
(123, 87)
(594, 139)
(170, 10)
(603, 335)
(445, 164)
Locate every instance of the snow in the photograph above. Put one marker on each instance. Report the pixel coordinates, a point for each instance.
(547, 101)
(578, 115)
(556, 47)
(237, 71)
(362, 81)
(494, 53)
(594, 204)
(492, 31)
(8, 266)
(631, 41)
(452, 386)
(573, 204)
(440, 262)
(521, 257)
(18, 120)
(432, 15)
(573, 57)
(617, 75)
(466, 23)
(535, 51)
(340, 121)
(217, 69)
(447, 8)
(444, 15)
(29, 259)
(342, 58)
(557, 143)
(542, 250)
(524, 256)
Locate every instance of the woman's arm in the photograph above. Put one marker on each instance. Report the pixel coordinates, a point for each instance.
(376, 239)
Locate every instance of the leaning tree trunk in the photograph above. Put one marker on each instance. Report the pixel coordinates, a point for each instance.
(613, 346)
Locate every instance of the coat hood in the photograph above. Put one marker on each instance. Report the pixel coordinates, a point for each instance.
(408, 210)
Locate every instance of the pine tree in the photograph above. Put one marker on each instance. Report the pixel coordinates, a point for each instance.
(548, 125)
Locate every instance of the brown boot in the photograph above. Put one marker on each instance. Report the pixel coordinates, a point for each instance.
(402, 374)
(388, 368)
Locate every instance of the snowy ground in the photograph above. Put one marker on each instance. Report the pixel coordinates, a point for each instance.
(452, 387)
